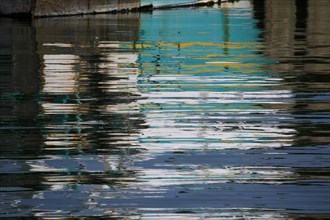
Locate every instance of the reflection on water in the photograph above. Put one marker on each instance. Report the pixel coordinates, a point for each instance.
(184, 114)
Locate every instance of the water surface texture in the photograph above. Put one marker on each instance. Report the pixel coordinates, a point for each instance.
(208, 113)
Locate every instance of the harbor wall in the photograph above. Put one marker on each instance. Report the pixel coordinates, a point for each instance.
(41, 8)
(8, 7)
(71, 7)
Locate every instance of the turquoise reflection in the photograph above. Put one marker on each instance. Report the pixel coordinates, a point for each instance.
(205, 83)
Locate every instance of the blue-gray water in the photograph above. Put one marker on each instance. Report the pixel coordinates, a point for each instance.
(209, 113)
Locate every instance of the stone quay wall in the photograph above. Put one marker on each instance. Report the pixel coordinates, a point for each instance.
(8, 7)
(40, 8)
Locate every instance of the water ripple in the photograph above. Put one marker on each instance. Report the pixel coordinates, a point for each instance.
(159, 116)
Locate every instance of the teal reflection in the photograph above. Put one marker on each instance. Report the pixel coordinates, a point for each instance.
(206, 83)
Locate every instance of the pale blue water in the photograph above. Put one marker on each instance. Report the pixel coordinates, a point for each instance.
(210, 113)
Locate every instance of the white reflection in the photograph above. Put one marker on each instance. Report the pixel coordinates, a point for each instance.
(60, 74)
(239, 4)
(197, 174)
(67, 80)
(218, 120)
(217, 214)
(79, 163)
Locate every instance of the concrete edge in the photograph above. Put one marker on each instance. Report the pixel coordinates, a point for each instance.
(60, 8)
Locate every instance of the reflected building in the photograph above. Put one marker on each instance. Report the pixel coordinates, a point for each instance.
(19, 86)
(91, 119)
(297, 37)
(20, 134)
(318, 35)
(78, 69)
(74, 87)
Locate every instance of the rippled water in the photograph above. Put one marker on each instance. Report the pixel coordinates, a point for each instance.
(210, 113)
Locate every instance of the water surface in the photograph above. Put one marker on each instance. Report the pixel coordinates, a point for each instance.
(209, 113)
